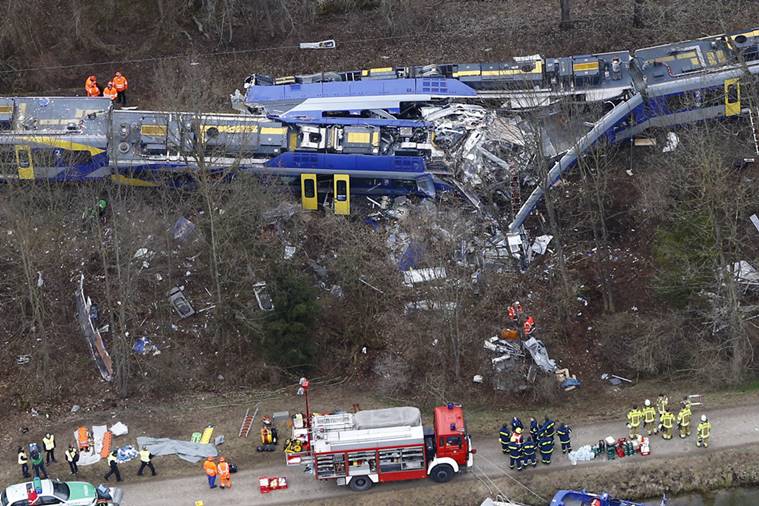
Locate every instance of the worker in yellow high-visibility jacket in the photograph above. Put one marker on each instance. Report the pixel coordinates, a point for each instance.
(633, 421)
(703, 432)
(649, 418)
(667, 421)
(683, 421)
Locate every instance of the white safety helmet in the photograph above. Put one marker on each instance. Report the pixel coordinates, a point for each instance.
(648, 403)
(703, 418)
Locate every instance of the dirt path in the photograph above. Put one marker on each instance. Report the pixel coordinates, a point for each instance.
(733, 427)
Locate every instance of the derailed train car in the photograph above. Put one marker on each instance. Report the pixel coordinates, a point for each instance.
(336, 133)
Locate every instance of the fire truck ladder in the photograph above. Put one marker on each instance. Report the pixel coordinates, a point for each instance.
(247, 422)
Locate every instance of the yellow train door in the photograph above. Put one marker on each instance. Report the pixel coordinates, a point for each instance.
(732, 97)
(342, 194)
(308, 194)
(24, 162)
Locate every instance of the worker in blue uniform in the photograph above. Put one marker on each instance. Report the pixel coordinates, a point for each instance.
(534, 429)
(563, 432)
(515, 455)
(548, 428)
(504, 436)
(545, 444)
(516, 423)
(528, 452)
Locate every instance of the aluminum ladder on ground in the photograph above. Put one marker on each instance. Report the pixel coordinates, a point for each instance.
(753, 125)
(247, 422)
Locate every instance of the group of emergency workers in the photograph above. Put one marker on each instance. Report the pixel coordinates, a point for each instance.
(515, 314)
(522, 449)
(647, 415)
(220, 470)
(115, 90)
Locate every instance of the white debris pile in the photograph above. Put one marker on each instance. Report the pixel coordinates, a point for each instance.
(582, 454)
(487, 148)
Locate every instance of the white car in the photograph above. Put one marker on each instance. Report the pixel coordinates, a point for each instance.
(67, 493)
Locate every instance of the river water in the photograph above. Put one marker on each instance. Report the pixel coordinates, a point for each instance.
(729, 497)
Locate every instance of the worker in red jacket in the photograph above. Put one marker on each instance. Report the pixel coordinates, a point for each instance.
(121, 84)
(529, 326)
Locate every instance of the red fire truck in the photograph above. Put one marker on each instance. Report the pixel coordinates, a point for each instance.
(374, 446)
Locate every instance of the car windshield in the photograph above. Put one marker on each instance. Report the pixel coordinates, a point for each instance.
(60, 490)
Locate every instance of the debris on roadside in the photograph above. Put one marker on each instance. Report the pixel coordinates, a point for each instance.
(144, 345)
(540, 355)
(614, 379)
(263, 298)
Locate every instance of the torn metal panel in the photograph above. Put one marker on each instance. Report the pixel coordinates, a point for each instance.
(262, 296)
(414, 276)
(540, 355)
(745, 273)
(182, 229)
(180, 303)
(498, 345)
(755, 221)
(91, 334)
(540, 246)
(322, 44)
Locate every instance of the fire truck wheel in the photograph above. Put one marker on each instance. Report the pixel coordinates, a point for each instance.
(361, 483)
(442, 473)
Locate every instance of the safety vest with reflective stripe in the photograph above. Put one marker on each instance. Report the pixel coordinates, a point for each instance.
(649, 414)
(223, 469)
(633, 417)
(71, 455)
(112, 459)
(683, 417)
(667, 420)
(145, 456)
(704, 429)
(22, 458)
(210, 468)
(120, 83)
(49, 442)
(110, 93)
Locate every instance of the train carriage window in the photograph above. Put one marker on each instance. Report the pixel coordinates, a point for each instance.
(342, 191)
(23, 159)
(309, 188)
(732, 93)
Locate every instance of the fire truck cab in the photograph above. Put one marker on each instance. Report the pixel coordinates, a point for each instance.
(383, 445)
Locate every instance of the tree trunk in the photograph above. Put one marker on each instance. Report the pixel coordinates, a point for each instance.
(638, 13)
(566, 21)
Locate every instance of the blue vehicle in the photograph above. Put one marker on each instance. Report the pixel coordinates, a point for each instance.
(582, 498)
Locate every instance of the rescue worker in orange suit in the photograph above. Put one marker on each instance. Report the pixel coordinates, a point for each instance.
(529, 326)
(225, 477)
(91, 87)
(110, 92)
(121, 84)
(210, 468)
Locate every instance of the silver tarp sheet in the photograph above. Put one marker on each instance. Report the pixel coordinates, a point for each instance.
(191, 452)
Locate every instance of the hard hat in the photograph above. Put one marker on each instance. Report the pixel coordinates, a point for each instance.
(648, 403)
(519, 430)
(703, 418)
(516, 303)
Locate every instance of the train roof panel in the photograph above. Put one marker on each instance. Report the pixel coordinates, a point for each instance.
(671, 61)
(54, 115)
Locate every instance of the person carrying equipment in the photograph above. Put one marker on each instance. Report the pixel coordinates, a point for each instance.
(49, 442)
(209, 466)
(514, 311)
(113, 466)
(703, 432)
(667, 421)
(121, 84)
(146, 461)
(564, 431)
(23, 461)
(515, 455)
(72, 457)
(110, 92)
(683, 421)
(649, 418)
(633, 421)
(545, 444)
(225, 476)
(504, 437)
(528, 453)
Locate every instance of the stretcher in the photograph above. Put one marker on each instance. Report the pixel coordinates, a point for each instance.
(107, 441)
(268, 484)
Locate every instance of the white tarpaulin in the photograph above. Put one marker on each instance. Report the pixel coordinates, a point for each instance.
(541, 244)
(389, 417)
(185, 450)
(98, 432)
(119, 429)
